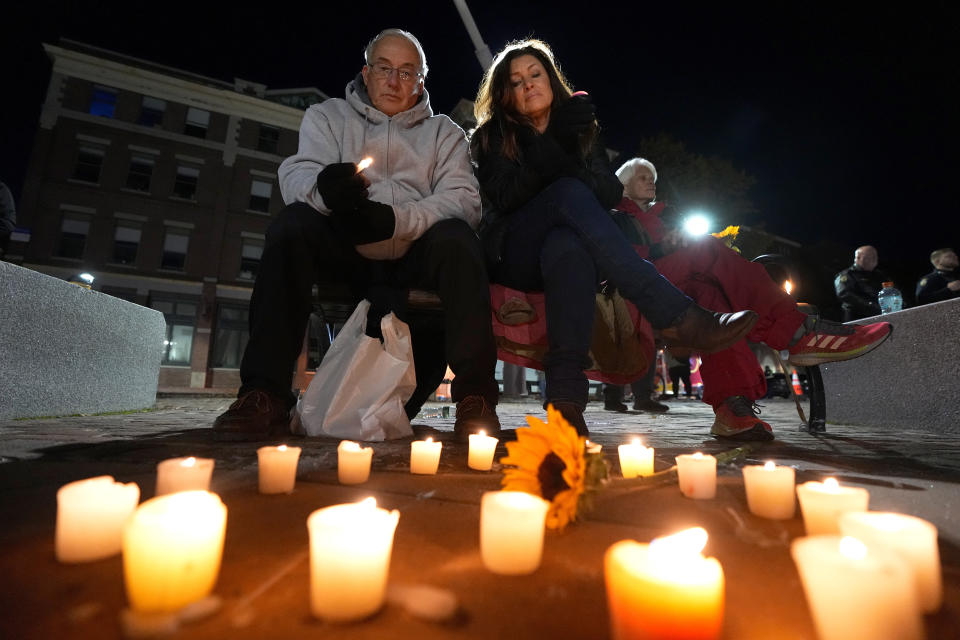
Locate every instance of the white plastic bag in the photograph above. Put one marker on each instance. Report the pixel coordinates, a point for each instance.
(361, 385)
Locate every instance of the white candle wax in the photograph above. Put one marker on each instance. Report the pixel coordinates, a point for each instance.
(277, 468)
(350, 546)
(91, 514)
(913, 539)
(770, 490)
(172, 546)
(664, 590)
(184, 474)
(353, 462)
(482, 448)
(635, 459)
(822, 503)
(697, 474)
(856, 594)
(511, 531)
(425, 456)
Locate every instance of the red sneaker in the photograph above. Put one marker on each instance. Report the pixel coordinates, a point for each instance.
(827, 341)
(737, 420)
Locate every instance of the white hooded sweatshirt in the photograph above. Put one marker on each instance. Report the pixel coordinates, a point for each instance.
(421, 165)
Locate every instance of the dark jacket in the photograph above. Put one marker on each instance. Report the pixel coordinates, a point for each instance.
(933, 286)
(857, 291)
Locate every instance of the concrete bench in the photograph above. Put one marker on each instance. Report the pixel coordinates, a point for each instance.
(65, 349)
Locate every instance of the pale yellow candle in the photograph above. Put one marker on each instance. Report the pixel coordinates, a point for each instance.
(353, 462)
(911, 538)
(511, 531)
(172, 546)
(184, 474)
(350, 547)
(91, 515)
(856, 594)
(635, 459)
(482, 448)
(823, 503)
(664, 590)
(425, 456)
(277, 468)
(697, 474)
(770, 490)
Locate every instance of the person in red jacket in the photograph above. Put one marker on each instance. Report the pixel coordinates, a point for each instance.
(717, 277)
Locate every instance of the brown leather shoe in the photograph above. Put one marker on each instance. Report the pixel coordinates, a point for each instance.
(256, 415)
(474, 413)
(708, 331)
(574, 415)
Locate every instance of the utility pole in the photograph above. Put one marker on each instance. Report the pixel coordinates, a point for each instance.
(480, 47)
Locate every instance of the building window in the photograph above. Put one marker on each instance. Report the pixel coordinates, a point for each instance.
(197, 122)
(231, 337)
(151, 111)
(260, 195)
(174, 250)
(89, 162)
(185, 184)
(250, 253)
(269, 139)
(141, 170)
(103, 101)
(73, 237)
(180, 317)
(126, 241)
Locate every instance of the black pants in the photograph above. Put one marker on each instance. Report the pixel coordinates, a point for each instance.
(303, 247)
(642, 388)
(676, 375)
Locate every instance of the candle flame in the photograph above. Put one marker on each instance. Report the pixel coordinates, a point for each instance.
(769, 466)
(685, 543)
(637, 442)
(189, 462)
(350, 445)
(698, 455)
(831, 484)
(369, 503)
(852, 548)
(788, 286)
(363, 164)
(282, 447)
(429, 440)
(481, 433)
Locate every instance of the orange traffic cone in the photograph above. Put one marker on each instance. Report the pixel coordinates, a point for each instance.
(797, 389)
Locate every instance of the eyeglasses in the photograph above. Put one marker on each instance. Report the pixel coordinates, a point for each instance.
(383, 71)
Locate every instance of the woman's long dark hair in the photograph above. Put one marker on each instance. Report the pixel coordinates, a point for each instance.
(495, 102)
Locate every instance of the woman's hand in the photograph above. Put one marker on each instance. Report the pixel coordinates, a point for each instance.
(572, 118)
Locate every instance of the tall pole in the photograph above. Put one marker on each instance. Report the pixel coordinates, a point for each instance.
(480, 47)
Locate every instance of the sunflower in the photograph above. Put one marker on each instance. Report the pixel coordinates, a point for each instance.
(548, 460)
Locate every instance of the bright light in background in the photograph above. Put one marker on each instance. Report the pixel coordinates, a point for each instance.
(696, 224)
(788, 286)
(86, 277)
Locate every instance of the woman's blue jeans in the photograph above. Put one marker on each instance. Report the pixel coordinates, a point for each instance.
(562, 242)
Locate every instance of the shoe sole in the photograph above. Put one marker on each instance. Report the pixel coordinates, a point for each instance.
(756, 433)
(824, 357)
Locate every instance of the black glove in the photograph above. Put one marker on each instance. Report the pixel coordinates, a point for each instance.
(570, 119)
(369, 222)
(341, 187)
(544, 155)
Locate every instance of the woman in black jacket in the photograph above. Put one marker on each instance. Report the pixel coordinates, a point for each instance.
(548, 187)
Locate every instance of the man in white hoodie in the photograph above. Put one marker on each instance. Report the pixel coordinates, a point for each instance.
(405, 221)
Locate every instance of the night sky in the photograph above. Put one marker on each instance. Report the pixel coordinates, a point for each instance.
(842, 114)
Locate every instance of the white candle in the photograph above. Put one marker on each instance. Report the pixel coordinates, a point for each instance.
(184, 474)
(91, 514)
(856, 594)
(172, 546)
(593, 447)
(353, 462)
(635, 459)
(913, 539)
(664, 590)
(697, 474)
(350, 546)
(770, 490)
(425, 456)
(511, 531)
(823, 503)
(277, 468)
(482, 448)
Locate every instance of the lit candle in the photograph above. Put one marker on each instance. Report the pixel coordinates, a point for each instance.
(664, 590)
(482, 448)
(277, 468)
(353, 462)
(855, 593)
(697, 474)
(823, 503)
(425, 456)
(511, 531)
(770, 490)
(91, 514)
(635, 459)
(184, 474)
(593, 447)
(350, 546)
(172, 547)
(913, 539)
(363, 164)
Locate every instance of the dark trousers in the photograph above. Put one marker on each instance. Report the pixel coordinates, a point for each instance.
(303, 247)
(642, 388)
(560, 243)
(676, 375)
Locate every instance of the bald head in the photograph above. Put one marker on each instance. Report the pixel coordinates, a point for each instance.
(866, 258)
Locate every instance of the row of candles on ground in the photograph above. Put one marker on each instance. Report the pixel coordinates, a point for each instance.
(883, 566)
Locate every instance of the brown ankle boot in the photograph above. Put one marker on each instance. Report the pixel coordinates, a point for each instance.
(707, 331)
(475, 414)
